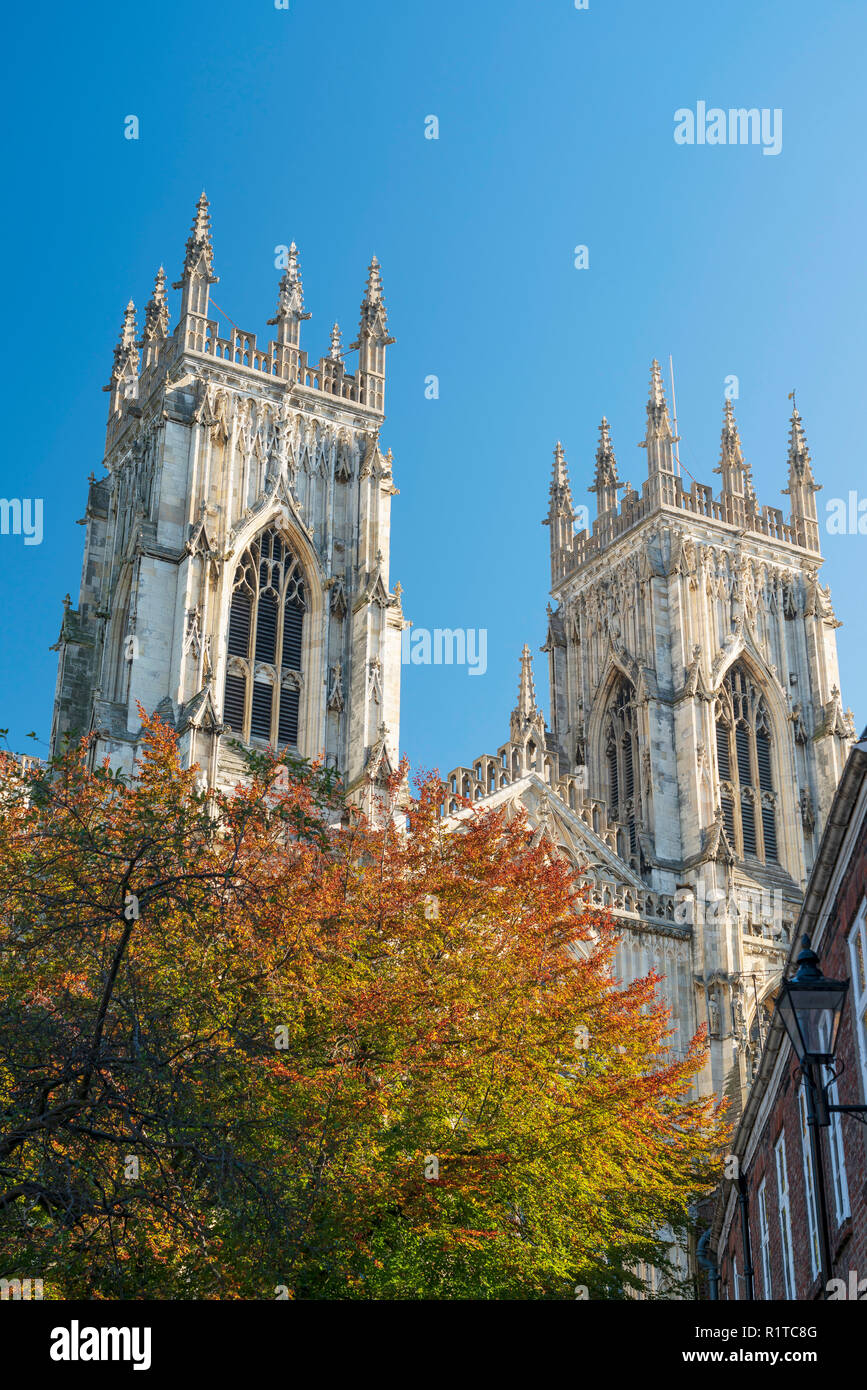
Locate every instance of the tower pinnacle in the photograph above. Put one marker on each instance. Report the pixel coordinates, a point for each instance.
(196, 280)
(659, 439)
(373, 339)
(561, 514)
(605, 483)
(526, 706)
(526, 714)
(156, 323)
(290, 302)
(124, 370)
(802, 486)
(736, 479)
(200, 252)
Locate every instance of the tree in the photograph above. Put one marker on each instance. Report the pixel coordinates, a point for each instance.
(249, 1049)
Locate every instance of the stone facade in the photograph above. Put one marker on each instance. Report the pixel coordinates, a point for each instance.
(235, 573)
(697, 733)
(236, 580)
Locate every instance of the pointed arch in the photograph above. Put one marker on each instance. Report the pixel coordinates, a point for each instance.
(270, 636)
(614, 735)
(751, 759)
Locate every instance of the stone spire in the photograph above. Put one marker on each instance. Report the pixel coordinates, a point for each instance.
(659, 439)
(372, 340)
(196, 280)
(199, 258)
(374, 318)
(561, 515)
(526, 706)
(526, 714)
(290, 307)
(605, 483)
(802, 486)
(336, 352)
(156, 325)
(735, 473)
(124, 370)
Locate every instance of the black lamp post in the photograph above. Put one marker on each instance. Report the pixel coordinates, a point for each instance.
(811, 1007)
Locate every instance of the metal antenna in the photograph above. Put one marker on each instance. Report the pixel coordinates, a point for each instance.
(674, 413)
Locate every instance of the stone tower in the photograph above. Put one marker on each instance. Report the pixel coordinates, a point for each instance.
(693, 668)
(696, 733)
(235, 574)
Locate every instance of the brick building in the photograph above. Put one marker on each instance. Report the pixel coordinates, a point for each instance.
(765, 1237)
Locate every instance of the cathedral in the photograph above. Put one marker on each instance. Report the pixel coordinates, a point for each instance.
(236, 580)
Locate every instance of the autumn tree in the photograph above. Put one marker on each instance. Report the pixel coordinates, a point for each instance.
(252, 1046)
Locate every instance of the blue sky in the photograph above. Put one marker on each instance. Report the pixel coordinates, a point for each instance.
(556, 129)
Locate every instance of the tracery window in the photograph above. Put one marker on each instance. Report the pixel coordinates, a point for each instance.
(266, 626)
(622, 760)
(744, 765)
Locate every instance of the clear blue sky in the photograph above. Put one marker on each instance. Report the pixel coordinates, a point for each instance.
(556, 129)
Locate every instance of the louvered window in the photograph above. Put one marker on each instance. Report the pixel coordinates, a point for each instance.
(266, 627)
(722, 753)
(613, 783)
(622, 756)
(763, 756)
(743, 729)
(748, 818)
(239, 625)
(260, 714)
(287, 731)
(742, 744)
(265, 638)
(292, 628)
(234, 700)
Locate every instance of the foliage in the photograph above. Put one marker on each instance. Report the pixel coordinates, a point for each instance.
(251, 1048)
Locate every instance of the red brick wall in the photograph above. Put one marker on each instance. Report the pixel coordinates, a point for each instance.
(849, 1240)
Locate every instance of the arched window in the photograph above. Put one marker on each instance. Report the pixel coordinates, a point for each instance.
(744, 767)
(266, 626)
(622, 760)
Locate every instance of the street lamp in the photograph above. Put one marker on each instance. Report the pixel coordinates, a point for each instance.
(810, 1007)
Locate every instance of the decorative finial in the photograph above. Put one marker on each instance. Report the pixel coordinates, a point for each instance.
(199, 258)
(800, 464)
(606, 483)
(657, 390)
(336, 353)
(659, 438)
(526, 687)
(374, 318)
(125, 363)
(156, 312)
(290, 302)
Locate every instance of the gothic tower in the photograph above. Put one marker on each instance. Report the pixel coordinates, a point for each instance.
(693, 670)
(696, 734)
(236, 556)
